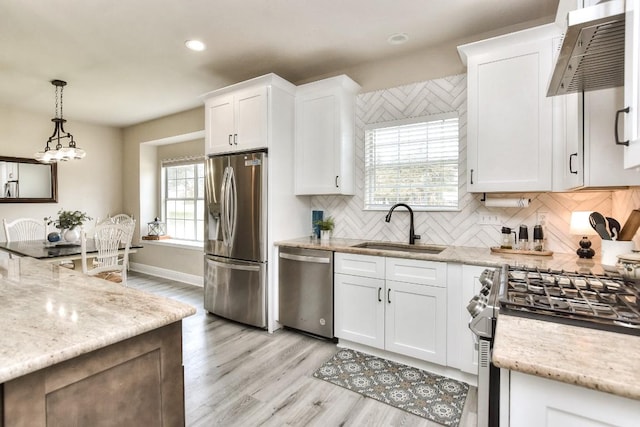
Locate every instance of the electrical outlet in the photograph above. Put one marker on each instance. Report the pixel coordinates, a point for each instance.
(488, 219)
(541, 217)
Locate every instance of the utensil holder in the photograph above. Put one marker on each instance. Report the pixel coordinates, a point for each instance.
(612, 248)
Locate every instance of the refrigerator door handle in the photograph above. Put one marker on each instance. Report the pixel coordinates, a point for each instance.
(224, 208)
(234, 266)
(233, 206)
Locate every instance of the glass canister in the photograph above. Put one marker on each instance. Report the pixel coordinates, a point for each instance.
(538, 238)
(523, 238)
(508, 239)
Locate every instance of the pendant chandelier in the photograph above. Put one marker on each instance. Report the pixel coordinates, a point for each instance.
(59, 152)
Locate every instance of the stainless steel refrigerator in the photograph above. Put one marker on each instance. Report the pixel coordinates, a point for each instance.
(236, 237)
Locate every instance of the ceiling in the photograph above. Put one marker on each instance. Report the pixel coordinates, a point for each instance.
(125, 61)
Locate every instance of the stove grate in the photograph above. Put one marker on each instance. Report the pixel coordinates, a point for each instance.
(602, 301)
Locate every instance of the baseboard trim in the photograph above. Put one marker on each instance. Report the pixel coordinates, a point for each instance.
(164, 273)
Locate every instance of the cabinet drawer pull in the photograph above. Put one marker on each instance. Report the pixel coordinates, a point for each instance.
(379, 297)
(389, 295)
(618, 142)
(471, 176)
(230, 142)
(571, 163)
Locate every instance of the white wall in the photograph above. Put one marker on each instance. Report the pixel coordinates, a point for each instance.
(140, 198)
(93, 184)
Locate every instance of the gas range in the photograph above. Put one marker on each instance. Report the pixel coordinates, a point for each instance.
(606, 302)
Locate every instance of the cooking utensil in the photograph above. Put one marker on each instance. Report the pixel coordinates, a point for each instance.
(614, 227)
(630, 226)
(599, 224)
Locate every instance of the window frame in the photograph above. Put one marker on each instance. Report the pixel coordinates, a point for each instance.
(199, 216)
(403, 122)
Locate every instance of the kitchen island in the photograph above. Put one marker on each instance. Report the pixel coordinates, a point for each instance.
(77, 350)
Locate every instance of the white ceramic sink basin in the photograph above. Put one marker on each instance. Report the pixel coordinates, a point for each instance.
(401, 247)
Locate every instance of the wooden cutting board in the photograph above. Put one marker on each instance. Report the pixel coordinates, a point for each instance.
(520, 251)
(631, 226)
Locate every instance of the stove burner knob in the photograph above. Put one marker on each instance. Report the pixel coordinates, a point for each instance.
(485, 290)
(475, 306)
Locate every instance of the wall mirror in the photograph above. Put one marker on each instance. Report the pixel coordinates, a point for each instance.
(25, 180)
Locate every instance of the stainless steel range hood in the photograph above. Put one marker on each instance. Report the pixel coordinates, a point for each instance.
(592, 52)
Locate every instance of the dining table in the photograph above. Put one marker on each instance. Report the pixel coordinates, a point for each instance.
(55, 251)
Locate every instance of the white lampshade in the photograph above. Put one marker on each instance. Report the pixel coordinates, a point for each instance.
(580, 225)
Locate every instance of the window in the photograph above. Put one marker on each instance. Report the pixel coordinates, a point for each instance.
(412, 161)
(184, 200)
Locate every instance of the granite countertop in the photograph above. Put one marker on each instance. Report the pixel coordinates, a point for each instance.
(51, 314)
(457, 254)
(591, 358)
(599, 360)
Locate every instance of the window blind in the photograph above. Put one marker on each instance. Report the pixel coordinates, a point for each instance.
(415, 163)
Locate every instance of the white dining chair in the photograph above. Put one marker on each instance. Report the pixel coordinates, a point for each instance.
(124, 219)
(108, 263)
(120, 218)
(24, 229)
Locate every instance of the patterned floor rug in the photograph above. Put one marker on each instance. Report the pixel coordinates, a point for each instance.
(428, 395)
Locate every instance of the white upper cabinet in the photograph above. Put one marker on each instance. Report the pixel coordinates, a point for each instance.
(324, 142)
(568, 143)
(237, 117)
(600, 149)
(509, 136)
(632, 84)
(585, 152)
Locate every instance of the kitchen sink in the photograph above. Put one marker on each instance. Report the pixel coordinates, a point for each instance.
(401, 247)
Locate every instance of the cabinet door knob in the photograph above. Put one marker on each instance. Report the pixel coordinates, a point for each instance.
(235, 139)
(230, 142)
(571, 163)
(379, 297)
(337, 186)
(471, 176)
(389, 295)
(618, 142)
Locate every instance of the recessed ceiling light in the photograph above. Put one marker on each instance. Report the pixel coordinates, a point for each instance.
(196, 45)
(398, 38)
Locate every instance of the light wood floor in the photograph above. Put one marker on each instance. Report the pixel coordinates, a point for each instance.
(237, 375)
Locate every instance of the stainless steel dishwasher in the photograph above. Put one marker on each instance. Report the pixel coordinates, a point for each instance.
(306, 290)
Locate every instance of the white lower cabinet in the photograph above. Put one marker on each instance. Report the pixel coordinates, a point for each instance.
(540, 402)
(393, 304)
(415, 321)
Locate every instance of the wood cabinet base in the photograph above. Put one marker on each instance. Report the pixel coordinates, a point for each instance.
(139, 381)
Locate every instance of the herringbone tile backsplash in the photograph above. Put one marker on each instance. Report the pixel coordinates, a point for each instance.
(458, 228)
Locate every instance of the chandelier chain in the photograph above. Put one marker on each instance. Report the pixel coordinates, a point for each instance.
(58, 102)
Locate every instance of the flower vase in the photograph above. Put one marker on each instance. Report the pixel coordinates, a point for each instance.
(325, 235)
(72, 235)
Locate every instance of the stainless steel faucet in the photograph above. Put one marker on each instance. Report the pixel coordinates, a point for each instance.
(412, 236)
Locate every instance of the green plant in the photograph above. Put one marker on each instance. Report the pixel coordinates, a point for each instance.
(68, 219)
(325, 224)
